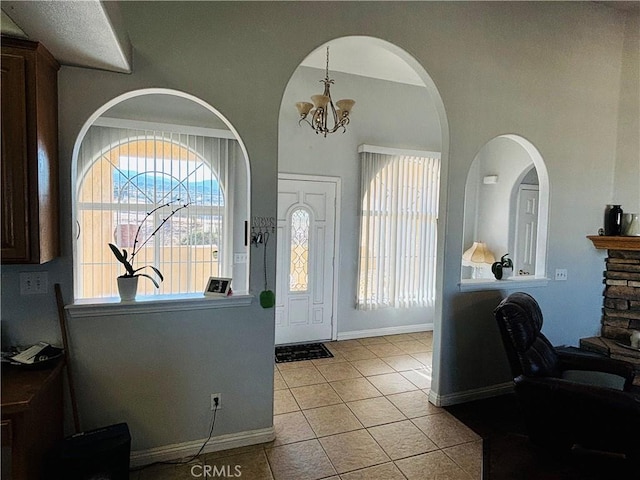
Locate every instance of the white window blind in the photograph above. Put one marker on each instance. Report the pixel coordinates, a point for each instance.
(398, 228)
(125, 173)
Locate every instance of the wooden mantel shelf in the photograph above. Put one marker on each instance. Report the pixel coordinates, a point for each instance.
(615, 243)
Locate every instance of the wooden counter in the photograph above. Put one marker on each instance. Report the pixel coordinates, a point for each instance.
(32, 418)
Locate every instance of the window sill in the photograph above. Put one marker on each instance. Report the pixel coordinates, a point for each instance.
(103, 307)
(472, 285)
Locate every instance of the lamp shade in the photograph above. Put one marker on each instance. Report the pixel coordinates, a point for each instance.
(478, 253)
(320, 101)
(304, 107)
(345, 105)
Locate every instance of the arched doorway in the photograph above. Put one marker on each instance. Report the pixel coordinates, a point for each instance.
(401, 113)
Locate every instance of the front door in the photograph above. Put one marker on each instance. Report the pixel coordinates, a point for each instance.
(305, 265)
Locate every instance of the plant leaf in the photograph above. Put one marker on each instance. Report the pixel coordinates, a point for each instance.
(152, 268)
(122, 259)
(157, 273)
(116, 251)
(150, 278)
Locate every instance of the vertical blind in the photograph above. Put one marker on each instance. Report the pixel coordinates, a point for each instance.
(398, 229)
(123, 174)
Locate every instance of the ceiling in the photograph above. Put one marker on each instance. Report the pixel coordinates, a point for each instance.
(630, 6)
(79, 33)
(161, 108)
(91, 34)
(362, 56)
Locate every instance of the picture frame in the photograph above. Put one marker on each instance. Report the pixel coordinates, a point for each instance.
(217, 287)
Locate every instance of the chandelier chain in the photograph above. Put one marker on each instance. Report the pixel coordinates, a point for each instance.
(327, 68)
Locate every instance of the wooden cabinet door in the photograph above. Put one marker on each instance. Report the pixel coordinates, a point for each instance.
(29, 161)
(15, 227)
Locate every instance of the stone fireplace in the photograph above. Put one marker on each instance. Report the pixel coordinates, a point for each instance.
(621, 304)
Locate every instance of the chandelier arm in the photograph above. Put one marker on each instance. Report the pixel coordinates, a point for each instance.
(304, 119)
(335, 114)
(342, 124)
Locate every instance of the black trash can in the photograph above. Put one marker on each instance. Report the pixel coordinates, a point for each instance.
(100, 454)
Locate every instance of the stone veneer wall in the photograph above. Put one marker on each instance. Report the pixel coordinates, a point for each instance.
(621, 295)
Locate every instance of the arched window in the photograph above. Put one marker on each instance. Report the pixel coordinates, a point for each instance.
(129, 182)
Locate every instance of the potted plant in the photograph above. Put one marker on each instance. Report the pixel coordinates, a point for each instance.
(128, 282)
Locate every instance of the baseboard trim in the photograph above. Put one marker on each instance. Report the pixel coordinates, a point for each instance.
(470, 395)
(378, 332)
(180, 450)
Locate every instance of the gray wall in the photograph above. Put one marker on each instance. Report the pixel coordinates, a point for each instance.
(625, 186)
(549, 71)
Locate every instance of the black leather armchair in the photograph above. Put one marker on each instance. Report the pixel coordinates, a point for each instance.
(567, 398)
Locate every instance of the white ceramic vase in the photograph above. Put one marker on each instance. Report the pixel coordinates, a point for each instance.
(127, 288)
(631, 224)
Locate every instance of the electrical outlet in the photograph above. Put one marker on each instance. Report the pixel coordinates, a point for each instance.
(34, 283)
(214, 397)
(561, 274)
(240, 258)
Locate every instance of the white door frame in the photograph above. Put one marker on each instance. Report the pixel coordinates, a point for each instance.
(337, 181)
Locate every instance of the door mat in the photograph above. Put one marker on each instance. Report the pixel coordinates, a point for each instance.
(307, 351)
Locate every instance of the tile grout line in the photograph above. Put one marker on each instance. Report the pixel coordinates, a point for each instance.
(418, 388)
(382, 395)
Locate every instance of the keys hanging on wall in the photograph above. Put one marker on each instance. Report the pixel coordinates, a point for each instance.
(261, 228)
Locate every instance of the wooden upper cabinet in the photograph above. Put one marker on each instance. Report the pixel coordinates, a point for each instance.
(29, 161)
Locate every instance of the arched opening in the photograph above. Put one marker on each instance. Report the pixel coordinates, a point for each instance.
(141, 157)
(396, 113)
(507, 209)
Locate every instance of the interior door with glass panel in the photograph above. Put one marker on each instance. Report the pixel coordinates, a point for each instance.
(305, 272)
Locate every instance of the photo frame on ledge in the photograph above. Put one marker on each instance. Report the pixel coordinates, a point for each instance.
(217, 287)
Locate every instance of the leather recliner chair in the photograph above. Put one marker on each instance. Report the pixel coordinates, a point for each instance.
(567, 398)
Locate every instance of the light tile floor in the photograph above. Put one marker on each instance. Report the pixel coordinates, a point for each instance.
(361, 415)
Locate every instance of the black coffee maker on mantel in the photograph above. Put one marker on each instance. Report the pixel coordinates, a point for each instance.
(613, 220)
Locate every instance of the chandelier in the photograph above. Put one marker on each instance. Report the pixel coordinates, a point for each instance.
(318, 111)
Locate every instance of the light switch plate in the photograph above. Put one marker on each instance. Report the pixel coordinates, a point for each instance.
(34, 283)
(561, 274)
(240, 258)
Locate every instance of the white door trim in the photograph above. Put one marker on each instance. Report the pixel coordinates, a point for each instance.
(337, 181)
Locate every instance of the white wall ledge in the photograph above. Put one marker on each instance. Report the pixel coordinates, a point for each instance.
(103, 307)
(472, 285)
